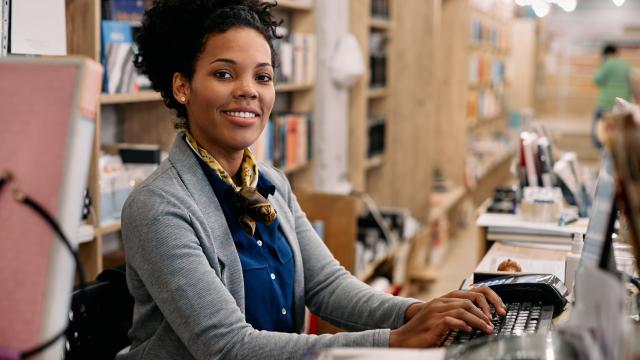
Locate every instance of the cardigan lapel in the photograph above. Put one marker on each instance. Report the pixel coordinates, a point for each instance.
(190, 172)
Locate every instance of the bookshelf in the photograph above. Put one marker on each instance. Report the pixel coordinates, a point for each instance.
(473, 62)
(405, 38)
(141, 117)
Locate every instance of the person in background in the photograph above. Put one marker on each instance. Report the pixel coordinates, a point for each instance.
(613, 79)
(221, 260)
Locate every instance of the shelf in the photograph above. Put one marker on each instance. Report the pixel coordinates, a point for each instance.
(288, 87)
(500, 160)
(108, 228)
(485, 85)
(485, 47)
(370, 269)
(295, 168)
(492, 16)
(374, 161)
(377, 92)
(442, 202)
(295, 5)
(142, 96)
(379, 24)
(482, 123)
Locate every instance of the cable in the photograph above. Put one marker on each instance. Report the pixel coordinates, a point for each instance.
(54, 225)
(35, 206)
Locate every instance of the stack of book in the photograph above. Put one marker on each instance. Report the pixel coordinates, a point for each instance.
(297, 53)
(380, 9)
(120, 21)
(376, 134)
(378, 59)
(285, 141)
(509, 227)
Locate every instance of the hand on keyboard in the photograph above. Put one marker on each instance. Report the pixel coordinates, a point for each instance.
(521, 319)
(427, 324)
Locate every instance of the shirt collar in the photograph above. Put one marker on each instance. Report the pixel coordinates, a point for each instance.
(264, 186)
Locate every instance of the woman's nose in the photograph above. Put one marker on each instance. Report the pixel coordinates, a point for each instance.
(245, 90)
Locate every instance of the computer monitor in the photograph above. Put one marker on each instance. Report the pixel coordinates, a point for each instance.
(598, 243)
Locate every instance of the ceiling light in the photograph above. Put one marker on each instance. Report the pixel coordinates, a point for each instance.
(618, 2)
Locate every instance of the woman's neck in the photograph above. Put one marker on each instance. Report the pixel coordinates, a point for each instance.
(229, 159)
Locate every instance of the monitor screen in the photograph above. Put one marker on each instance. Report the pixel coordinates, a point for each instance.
(597, 250)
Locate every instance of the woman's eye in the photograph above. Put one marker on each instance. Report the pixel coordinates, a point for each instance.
(222, 74)
(264, 78)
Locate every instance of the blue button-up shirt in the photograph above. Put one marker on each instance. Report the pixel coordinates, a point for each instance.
(266, 258)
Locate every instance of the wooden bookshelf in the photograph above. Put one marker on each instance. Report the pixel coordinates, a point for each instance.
(109, 228)
(377, 92)
(442, 202)
(296, 168)
(497, 122)
(380, 24)
(142, 96)
(366, 273)
(286, 87)
(374, 162)
(458, 47)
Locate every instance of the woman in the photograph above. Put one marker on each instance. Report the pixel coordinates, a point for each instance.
(221, 260)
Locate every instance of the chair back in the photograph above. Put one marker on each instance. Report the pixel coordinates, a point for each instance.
(100, 317)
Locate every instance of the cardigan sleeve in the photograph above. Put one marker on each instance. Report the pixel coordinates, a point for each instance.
(335, 294)
(164, 251)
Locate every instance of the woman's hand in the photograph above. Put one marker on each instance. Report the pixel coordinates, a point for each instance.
(428, 323)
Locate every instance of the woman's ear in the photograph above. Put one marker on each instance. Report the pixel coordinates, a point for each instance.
(180, 88)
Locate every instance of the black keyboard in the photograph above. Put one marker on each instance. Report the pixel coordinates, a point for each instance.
(521, 318)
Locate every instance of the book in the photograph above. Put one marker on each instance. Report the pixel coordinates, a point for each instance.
(117, 57)
(47, 147)
(123, 10)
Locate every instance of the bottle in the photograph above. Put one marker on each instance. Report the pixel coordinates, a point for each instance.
(572, 260)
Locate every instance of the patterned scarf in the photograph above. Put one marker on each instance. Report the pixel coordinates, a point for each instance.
(254, 207)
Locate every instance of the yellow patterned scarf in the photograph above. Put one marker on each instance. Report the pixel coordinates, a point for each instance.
(253, 205)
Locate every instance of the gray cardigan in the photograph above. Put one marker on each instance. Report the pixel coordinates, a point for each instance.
(186, 278)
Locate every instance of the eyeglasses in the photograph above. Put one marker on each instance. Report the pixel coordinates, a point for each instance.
(5, 178)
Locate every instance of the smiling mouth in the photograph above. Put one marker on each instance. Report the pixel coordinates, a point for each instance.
(242, 114)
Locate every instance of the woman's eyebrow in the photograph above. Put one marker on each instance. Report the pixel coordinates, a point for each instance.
(233, 62)
(224, 60)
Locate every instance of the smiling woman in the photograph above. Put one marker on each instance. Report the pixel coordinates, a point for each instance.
(221, 260)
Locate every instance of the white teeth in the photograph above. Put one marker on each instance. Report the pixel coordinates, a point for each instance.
(241, 114)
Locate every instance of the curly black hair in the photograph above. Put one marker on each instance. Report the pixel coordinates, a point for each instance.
(174, 34)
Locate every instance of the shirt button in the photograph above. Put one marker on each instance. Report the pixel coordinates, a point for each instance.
(284, 311)
(273, 276)
(259, 242)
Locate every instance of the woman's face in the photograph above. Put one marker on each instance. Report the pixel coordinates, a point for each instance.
(231, 95)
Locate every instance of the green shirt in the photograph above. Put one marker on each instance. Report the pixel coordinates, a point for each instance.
(613, 80)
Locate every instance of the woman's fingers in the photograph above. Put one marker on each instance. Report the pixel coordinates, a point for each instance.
(482, 296)
(471, 319)
(446, 305)
(493, 298)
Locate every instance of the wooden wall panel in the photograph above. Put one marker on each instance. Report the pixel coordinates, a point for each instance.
(451, 120)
